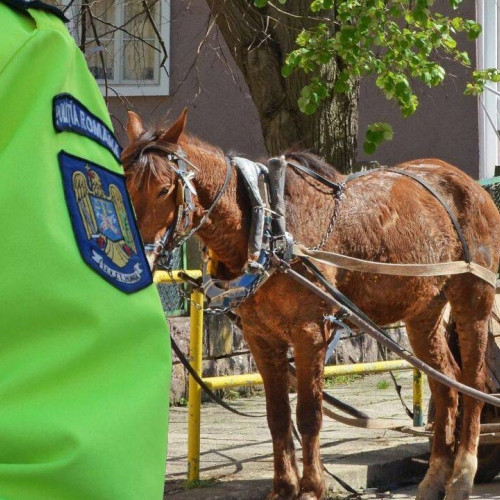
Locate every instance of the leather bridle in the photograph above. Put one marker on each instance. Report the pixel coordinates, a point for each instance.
(181, 229)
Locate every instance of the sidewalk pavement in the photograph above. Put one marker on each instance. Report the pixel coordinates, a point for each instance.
(236, 452)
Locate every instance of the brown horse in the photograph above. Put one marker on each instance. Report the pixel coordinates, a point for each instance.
(382, 217)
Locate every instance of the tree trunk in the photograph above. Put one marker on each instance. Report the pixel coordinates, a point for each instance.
(259, 40)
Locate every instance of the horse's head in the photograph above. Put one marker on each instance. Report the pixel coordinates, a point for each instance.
(150, 164)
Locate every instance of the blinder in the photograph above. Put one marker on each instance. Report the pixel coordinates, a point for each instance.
(184, 202)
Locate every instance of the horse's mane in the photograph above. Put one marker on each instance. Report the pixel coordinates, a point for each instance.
(313, 162)
(151, 164)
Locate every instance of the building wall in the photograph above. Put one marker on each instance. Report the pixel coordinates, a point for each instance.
(221, 110)
(444, 126)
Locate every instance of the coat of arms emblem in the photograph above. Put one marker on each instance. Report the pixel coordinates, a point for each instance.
(104, 224)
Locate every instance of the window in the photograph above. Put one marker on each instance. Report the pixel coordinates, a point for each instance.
(488, 14)
(128, 43)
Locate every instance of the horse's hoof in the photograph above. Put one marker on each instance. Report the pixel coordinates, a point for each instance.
(280, 496)
(461, 483)
(308, 496)
(283, 494)
(433, 485)
(429, 492)
(458, 489)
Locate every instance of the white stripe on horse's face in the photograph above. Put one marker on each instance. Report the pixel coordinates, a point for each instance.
(151, 258)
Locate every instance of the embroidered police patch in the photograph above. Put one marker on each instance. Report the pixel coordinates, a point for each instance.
(104, 224)
(69, 114)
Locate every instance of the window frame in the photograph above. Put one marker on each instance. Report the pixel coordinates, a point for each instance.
(134, 88)
(488, 56)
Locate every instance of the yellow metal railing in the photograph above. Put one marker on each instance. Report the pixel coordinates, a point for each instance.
(251, 379)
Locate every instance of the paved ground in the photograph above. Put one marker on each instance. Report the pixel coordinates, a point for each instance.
(236, 458)
(491, 490)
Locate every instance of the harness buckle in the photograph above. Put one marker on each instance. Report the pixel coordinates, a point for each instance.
(283, 247)
(342, 315)
(253, 267)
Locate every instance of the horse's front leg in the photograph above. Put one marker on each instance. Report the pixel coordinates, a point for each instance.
(270, 355)
(309, 352)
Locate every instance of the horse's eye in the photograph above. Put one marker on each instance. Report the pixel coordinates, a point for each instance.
(163, 192)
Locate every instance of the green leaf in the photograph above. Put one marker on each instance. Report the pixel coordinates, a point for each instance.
(457, 23)
(392, 41)
(310, 108)
(388, 135)
(473, 31)
(286, 70)
(369, 148)
(317, 5)
(340, 86)
(450, 43)
(302, 102)
(260, 3)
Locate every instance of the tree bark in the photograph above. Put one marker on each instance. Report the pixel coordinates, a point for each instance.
(259, 40)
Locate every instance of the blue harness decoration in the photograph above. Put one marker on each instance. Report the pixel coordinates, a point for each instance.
(69, 114)
(103, 223)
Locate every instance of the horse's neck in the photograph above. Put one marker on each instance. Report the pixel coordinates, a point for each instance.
(225, 232)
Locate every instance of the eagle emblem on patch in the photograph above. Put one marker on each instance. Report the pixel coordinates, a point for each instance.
(104, 223)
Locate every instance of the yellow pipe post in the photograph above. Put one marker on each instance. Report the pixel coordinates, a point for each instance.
(418, 398)
(194, 396)
(251, 379)
(366, 368)
(164, 276)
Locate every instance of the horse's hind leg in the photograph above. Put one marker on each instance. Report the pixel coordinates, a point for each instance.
(271, 358)
(471, 301)
(309, 352)
(427, 337)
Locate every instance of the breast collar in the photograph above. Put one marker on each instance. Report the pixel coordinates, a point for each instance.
(221, 294)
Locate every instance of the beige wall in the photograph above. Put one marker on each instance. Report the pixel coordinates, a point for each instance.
(221, 110)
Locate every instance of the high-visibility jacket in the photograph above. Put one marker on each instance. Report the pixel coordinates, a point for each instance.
(84, 348)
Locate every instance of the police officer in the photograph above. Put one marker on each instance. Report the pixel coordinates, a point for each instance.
(84, 350)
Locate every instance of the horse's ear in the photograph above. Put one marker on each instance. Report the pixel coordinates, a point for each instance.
(172, 135)
(135, 126)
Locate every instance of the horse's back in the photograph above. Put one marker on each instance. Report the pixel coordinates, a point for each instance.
(474, 208)
(389, 217)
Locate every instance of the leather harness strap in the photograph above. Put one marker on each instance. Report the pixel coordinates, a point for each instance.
(368, 266)
(431, 190)
(441, 200)
(314, 175)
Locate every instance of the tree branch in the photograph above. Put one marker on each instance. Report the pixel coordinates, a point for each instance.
(157, 32)
(101, 55)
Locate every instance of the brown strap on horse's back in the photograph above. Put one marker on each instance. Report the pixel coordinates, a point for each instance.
(431, 190)
(441, 200)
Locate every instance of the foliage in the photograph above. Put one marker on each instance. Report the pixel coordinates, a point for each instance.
(382, 384)
(342, 380)
(395, 40)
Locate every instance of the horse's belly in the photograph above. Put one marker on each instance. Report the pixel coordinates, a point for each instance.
(388, 299)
